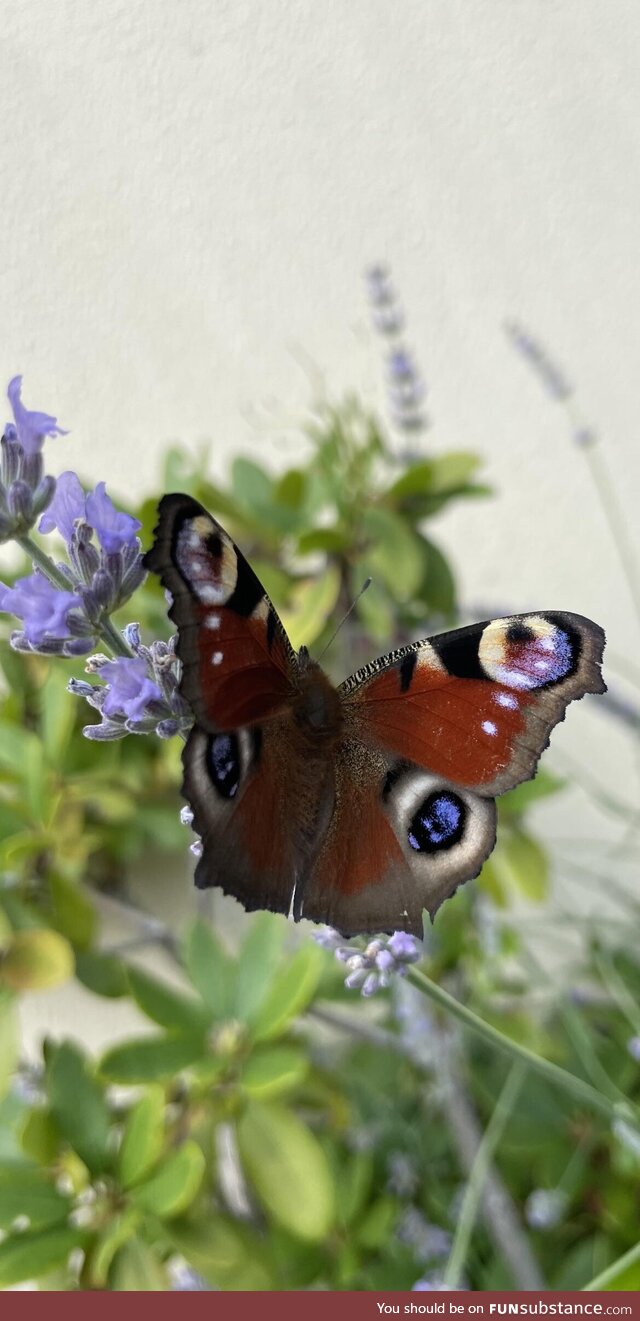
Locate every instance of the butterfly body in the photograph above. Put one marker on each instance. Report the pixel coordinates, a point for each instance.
(363, 804)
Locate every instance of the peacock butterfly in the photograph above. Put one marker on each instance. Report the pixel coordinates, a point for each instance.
(360, 805)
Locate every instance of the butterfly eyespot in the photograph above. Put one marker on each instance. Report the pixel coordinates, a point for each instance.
(438, 823)
(224, 764)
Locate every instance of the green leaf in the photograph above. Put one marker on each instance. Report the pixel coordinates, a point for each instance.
(210, 968)
(73, 913)
(375, 608)
(150, 1059)
(117, 1233)
(79, 1107)
(311, 603)
(258, 958)
(103, 974)
(57, 718)
(522, 865)
(273, 1071)
(143, 1137)
(225, 1252)
(292, 989)
(166, 1006)
(8, 1042)
(39, 1136)
(377, 1226)
(290, 489)
(36, 960)
(331, 540)
(354, 1180)
(34, 1253)
(288, 1169)
(435, 476)
(440, 585)
(137, 1269)
(252, 486)
(174, 1185)
(27, 1192)
(395, 552)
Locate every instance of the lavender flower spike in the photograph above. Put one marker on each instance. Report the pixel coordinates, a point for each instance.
(114, 529)
(42, 606)
(372, 968)
(130, 688)
(30, 427)
(67, 506)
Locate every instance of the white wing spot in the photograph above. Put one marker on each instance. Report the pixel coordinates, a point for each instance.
(212, 622)
(489, 727)
(211, 594)
(193, 540)
(506, 699)
(216, 659)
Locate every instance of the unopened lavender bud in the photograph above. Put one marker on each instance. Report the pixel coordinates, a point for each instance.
(373, 948)
(43, 495)
(10, 460)
(32, 469)
(356, 979)
(79, 688)
(91, 604)
(20, 501)
(186, 816)
(79, 626)
(385, 961)
(78, 646)
(103, 589)
(95, 663)
(85, 560)
(132, 579)
(114, 567)
(105, 732)
(371, 984)
(167, 728)
(131, 635)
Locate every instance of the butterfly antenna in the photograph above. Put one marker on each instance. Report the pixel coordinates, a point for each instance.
(366, 584)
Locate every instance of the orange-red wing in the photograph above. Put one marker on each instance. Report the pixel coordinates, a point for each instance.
(477, 705)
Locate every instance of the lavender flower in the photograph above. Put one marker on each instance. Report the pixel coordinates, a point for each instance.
(114, 529)
(30, 427)
(406, 388)
(540, 360)
(373, 967)
(427, 1241)
(138, 695)
(43, 607)
(66, 508)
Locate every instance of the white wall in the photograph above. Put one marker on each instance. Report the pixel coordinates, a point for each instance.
(190, 190)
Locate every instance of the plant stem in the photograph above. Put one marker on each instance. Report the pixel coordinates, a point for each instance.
(44, 562)
(615, 516)
(479, 1171)
(612, 1272)
(569, 1082)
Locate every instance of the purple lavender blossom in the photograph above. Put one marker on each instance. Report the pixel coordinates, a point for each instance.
(67, 506)
(114, 529)
(372, 968)
(31, 427)
(130, 688)
(406, 388)
(43, 607)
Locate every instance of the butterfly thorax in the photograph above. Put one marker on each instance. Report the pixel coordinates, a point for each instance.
(316, 705)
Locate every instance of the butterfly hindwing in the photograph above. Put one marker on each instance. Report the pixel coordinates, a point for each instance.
(477, 705)
(237, 661)
(399, 840)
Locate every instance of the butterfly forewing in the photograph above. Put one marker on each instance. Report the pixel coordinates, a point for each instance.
(477, 705)
(237, 661)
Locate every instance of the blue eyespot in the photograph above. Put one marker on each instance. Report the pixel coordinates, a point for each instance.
(438, 822)
(224, 764)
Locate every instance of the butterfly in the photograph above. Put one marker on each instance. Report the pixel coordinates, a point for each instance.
(364, 804)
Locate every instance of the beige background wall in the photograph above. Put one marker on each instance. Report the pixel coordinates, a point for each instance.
(190, 193)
